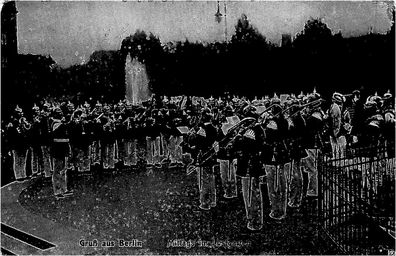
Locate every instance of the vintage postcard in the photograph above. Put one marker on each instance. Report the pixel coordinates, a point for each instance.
(197, 127)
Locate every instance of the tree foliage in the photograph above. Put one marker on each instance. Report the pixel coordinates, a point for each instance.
(248, 65)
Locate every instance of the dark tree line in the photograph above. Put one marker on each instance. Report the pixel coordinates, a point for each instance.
(247, 65)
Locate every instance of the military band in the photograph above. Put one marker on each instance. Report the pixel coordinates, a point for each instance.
(269, 147)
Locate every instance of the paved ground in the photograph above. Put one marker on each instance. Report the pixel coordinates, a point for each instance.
(148, 206)
(13, 214)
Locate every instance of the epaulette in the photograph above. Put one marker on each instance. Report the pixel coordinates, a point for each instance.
(250, 134)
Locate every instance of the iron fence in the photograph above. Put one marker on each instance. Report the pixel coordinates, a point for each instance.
(357, 200)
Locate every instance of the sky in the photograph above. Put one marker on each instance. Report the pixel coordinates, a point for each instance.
(70, 31)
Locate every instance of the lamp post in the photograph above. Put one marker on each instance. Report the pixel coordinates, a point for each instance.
(225, 21)
(219, 15)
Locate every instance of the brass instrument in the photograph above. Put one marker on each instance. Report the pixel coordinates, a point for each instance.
(81, 119)
(91, 113)
(97, 118)
(83, 122)
(232, 134)
(109, 125)
(73, 118)
(302, 107)
(234, 131)
(24, 125)
(128, 122)
(248, 123)
(37, 119)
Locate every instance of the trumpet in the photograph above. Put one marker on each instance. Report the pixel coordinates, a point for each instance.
(91, 113)
(127, 120)
(97, 119)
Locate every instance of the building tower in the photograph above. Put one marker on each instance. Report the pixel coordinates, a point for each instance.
(9, 47)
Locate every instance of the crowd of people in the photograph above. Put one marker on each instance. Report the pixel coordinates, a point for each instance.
(267, 142)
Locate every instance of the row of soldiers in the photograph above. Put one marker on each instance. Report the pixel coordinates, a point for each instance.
(266, 141)
(270, 151)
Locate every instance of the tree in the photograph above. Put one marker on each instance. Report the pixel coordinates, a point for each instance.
(106, 74)
(315, 35)
(249, 54)
(246, 33)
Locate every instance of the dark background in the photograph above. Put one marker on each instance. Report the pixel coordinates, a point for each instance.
(247, 65)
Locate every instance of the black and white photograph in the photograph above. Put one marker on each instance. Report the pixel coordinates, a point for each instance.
(188, 127)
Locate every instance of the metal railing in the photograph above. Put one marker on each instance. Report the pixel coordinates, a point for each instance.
(357, 200)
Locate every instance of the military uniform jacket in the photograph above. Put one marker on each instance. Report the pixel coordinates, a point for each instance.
(60, 142)
(107, 130)
(79, 134)
(45, 128)
(16, 135)
(206, 136)
(34, 134)
(250, 147)
(225, 152)
(335, 120)
(312, 134)
(296, 136)
(276, 151)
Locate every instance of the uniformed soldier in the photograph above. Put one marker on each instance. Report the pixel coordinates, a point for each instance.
(227, 159)
(276, 160)
(296, 129)
(35, 135)
(335, 116)
(313, 142)
(130, 126)
(172, 138)
(80, 141)
(346, 127)
(356, 114)
(162, 146)
(18, 130)
(107, 138)
(87, 107)
(152, 142)
(96, 129)
(389, 128)
(60, 151)
(67, 109)
(374, 125)
(204, 140)
(45, 138)
(389, 122)
(250, 170)
(120, 133)
(373, 122)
